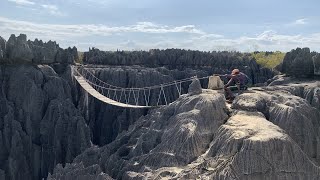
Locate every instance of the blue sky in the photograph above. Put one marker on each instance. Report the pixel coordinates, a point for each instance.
(243, 25)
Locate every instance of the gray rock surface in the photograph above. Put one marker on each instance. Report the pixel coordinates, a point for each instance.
(298, 62)
(316, 63)
(107, 121)
(44, 52)
(273, 133)
(289, 107)
(19, 50)
(2, 48)
(46, 119)
(210, 62)
(39, 124)
(78, 172)
(250, 147)
(195, 87)
(69, 55)
(278, 80)
(173, 135)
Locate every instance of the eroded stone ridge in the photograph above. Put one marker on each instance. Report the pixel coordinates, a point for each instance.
(39, 123)
(301, 62)
(78, 171)
(316, 63)
(180, 59)
(19, 50)
(272, 133)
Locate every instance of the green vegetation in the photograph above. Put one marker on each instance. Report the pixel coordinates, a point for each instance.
(268, 59)
(80, 55)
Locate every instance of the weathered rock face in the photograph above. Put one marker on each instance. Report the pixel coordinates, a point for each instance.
(210, 62)
(298, 63)
(195, 87)
(282, 108)
(44, 52)
(39, 124)
(78, 171)
(249, 147)
(273, 133)
(316, 63)
(170, 136)
(69, 55)
(45, 119)
(106, 121)
(19, 50)
(2, 48)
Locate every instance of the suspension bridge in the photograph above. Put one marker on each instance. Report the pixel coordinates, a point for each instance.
(142, 97)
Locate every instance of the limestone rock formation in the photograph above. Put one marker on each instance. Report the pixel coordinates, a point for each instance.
(273, 133)
(2, 48)
(298, 63)
(78, 171)
(47, 120)
(215, 83)
(170, 136)
(39, 124)
(18, 49)
(250, 147)
(316, 63)
(44, 52)
(209, 62)
(278, 80)
(69, 55)
(289, 107)
(195, 87)
(107, 121)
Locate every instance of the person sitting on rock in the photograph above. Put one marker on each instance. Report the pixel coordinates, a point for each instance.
(238, 81)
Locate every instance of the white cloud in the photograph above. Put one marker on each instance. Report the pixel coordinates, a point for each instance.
(52, 9)
(82, 30)
(155, 36)
(301, 21)
(22, 2)
(298, 22)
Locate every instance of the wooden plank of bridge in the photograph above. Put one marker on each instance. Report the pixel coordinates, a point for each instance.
(87, 87)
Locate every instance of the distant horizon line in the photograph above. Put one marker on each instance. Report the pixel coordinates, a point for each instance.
(227, 48)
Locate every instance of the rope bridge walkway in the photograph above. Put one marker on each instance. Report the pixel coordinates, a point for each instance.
(143, 97)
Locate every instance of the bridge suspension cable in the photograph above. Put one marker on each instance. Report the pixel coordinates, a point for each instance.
(137, 97)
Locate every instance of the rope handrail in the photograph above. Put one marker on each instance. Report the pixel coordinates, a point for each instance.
(118, 88)
(151, 96)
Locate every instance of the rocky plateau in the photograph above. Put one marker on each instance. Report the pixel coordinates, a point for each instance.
(51, 129)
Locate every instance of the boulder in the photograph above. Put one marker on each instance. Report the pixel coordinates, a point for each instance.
(195, 87)
(278, 80)
(215, 83)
